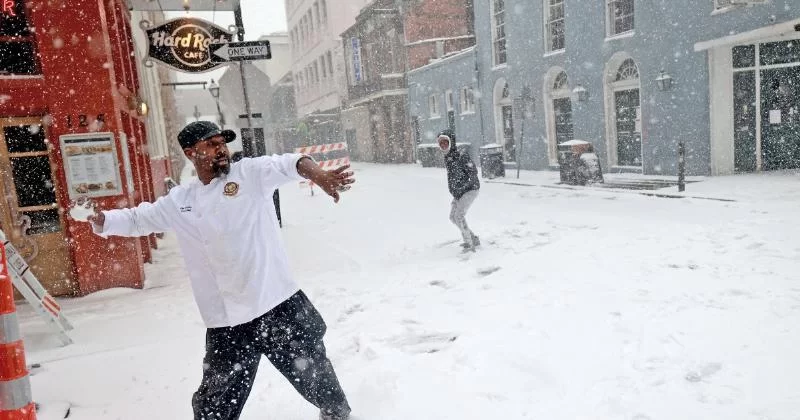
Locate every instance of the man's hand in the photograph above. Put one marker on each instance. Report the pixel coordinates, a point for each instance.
(332, 182)
(98, 219)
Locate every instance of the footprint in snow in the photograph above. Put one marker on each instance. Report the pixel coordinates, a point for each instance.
(483, 272)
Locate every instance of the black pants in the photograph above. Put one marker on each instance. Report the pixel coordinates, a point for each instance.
(290, 335)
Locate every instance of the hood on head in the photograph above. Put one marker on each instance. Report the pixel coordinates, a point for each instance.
(451, 135)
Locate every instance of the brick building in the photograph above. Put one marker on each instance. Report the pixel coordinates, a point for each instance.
(73, 110)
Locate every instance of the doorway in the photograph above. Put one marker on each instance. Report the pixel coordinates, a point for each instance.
(29, 214)
(766, 111)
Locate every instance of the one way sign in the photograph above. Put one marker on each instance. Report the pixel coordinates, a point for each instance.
(243, 51)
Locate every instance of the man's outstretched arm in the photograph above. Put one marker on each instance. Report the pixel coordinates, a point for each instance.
(142, 220)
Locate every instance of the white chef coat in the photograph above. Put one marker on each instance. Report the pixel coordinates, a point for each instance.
(229, 236)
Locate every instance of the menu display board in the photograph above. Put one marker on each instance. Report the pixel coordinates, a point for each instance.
(91, 166)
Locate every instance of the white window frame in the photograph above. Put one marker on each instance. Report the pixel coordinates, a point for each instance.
(611, 87)
(467, 100)
(433, 107)
(549, 22)
(448, 100)
(722, 4)
(611, 19)
(551, 94)
(497, 41)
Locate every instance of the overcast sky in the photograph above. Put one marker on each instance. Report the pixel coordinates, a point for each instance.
(261, 17)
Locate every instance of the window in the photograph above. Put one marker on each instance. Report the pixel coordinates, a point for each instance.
(324, 67)
(304, 28)
(330, 63)
(722, 4)
(316, 12)
(323, 8)
(561, 82)
(30, 170)
(620, 16)
(433, 106)
(316, 72)
(310, 19)
(627, 71)
(499, 31)
(448, 99)
(467, 100)
(554, 25)
(17, 44)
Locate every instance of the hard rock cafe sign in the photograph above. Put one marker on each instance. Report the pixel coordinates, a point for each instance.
(185, 44)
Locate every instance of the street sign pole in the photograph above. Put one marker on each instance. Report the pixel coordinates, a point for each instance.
(237, 14)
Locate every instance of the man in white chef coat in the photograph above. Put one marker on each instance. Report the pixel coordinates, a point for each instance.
(228, 233)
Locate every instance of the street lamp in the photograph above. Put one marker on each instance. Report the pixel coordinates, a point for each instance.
(213, 89)
(581, 94)
(664, 81)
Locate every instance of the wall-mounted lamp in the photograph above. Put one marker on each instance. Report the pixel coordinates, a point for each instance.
(664, 81)
(581, 93)
(138, 105)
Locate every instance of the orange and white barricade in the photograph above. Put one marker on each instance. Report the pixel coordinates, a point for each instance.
(321, 150)
(16, 400)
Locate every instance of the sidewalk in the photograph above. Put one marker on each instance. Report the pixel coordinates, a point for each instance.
(769, 186)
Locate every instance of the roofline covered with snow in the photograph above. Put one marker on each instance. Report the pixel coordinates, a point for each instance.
(443, 61)
(756, 34)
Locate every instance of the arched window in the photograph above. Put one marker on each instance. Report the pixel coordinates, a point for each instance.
(562, 82)
(627, 71)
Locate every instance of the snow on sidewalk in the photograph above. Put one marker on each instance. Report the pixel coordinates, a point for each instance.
(580, 305)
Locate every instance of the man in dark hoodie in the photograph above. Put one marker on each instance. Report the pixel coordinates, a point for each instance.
(462, 180)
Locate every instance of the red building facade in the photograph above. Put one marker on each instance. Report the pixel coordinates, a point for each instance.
(69, 68)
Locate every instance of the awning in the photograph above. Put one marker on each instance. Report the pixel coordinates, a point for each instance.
(773, 31)
(180, 5)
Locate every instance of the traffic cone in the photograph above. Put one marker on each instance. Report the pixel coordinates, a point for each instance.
(16, 401)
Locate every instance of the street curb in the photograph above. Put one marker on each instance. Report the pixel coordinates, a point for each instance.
(614, 190)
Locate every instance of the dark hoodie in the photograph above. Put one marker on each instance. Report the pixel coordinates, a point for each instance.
(462, 175)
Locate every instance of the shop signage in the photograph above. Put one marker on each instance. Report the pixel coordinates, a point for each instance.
(185, 44)
(91, 165)
(243, 51)
(9, 6)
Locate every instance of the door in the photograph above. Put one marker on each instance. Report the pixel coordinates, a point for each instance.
(562, 113)
(780, 118)
(744, 121)
(509, 146)
(628, 124)
(29, 214)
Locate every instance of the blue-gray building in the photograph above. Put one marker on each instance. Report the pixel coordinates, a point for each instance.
(633, 77)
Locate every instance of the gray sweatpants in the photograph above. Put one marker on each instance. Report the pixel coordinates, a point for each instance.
(458, 213)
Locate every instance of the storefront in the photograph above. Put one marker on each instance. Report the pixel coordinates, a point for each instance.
(755, 111)
(72, 123)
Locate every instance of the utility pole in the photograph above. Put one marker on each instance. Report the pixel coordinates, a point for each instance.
(237, 14)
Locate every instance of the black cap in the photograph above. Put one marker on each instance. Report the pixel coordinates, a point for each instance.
(201, 130)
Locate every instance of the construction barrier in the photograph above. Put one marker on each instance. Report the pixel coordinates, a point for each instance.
(16, 401)
(32, 290)
(322, 150)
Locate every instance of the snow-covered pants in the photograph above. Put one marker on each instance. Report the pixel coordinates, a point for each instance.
(458, 214)
(290, 335)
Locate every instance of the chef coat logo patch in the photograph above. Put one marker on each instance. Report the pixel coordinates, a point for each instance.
(231, 189)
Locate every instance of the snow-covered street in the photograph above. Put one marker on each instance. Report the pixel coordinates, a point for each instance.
(581, 304)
